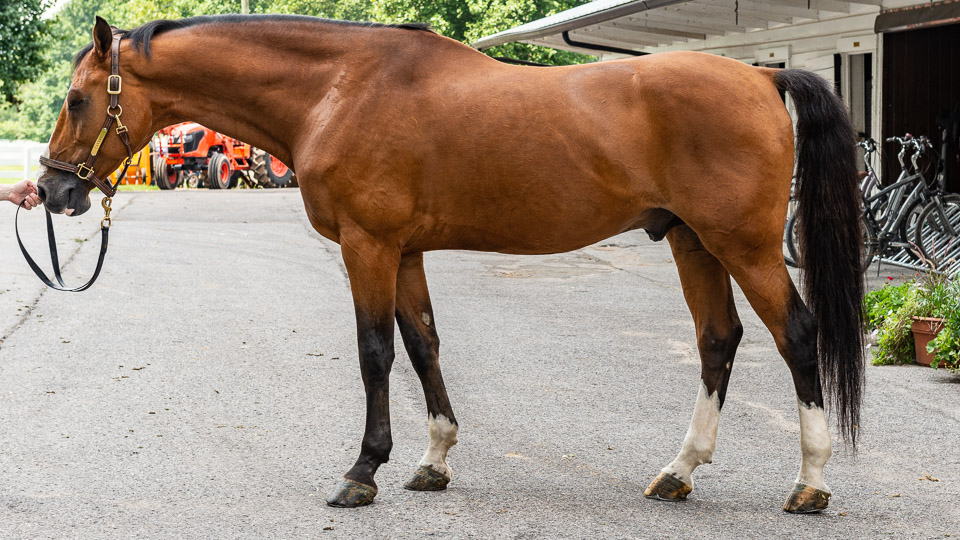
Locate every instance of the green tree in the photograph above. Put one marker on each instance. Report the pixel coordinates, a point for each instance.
(23, 38)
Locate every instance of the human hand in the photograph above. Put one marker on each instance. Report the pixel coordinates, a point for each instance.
(25, 192)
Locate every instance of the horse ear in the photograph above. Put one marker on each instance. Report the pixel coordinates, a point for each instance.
(102, 37)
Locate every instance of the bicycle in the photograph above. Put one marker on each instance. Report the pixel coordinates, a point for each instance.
(891, 215)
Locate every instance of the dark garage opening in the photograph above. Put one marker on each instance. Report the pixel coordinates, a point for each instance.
(921, 80)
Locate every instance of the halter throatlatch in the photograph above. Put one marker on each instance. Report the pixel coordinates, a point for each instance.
(85, 172)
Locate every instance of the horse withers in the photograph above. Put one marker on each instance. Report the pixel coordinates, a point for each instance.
(405, 142)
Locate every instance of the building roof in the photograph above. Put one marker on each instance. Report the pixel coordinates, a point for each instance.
(648, 24)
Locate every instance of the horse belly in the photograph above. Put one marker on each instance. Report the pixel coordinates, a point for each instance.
(536, 223)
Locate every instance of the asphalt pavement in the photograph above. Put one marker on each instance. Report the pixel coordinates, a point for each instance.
(207, 387)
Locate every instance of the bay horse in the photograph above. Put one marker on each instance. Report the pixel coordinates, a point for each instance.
(406, 142)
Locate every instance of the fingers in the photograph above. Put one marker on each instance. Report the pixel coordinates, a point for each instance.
(31, 186)
(30, 201)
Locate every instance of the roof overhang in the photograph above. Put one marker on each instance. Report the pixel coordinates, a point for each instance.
(639, 26)
(921, 16)
(596, 12)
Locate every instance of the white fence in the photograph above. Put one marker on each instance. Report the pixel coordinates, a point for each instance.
(19, 159)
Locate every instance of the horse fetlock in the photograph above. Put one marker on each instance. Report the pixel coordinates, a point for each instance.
(433, 472)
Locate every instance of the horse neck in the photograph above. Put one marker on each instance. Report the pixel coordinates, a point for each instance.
(259, 88)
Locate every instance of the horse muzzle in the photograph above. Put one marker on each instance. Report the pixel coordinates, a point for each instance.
(64, 194)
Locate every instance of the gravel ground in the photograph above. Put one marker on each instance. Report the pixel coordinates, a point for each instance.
(207, 387)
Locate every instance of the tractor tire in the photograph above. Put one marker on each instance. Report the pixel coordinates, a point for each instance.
(163, 176)
(268, 171)
(219, 172)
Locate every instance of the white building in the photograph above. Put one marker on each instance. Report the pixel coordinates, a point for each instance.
(895, 62)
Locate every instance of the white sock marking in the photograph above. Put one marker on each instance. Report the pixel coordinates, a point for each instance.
(701, 438)
(815, 445)
(443, 435)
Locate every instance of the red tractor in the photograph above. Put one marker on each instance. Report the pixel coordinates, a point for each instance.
(192, 155)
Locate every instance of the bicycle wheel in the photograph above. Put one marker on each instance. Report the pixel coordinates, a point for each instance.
(790, 243)
(938, 231)
(907, 231)
(871, 246)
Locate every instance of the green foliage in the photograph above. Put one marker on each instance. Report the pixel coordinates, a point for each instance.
(42, 99)
(890, 310)
(880, 303)
(947, 344)
(23, 38)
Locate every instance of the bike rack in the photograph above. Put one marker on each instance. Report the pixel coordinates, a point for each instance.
(946, 251)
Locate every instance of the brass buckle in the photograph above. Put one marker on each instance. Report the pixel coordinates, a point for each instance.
(106, 203)
(80, 171)
(119, 84)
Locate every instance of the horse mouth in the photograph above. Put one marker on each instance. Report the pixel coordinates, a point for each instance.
(63, 196)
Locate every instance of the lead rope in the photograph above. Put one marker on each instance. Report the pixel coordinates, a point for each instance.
(54, 258)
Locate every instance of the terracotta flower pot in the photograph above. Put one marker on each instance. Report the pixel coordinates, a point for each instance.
(925, 329)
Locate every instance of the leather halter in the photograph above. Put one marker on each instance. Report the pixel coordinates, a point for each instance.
(85, 172)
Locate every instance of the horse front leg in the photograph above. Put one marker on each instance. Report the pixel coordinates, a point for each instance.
(372, 269)
(418, 328)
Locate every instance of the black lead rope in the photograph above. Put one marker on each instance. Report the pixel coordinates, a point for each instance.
(55, 259)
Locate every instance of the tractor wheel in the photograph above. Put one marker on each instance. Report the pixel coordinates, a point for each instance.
(163, 176)
(269, 171)
(218, 172)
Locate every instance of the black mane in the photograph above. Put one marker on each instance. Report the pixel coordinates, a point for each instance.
(141, 36)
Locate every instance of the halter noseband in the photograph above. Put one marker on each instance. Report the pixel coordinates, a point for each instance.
(84, 170)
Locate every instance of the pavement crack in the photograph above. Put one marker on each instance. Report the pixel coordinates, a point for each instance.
(627, 271)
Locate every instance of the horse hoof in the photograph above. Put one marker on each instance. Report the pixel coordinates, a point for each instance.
(350, 494)
(427, 479)
(667, 487)
(806, 499)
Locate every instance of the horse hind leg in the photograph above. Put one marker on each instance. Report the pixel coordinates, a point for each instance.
(417, 326)
(763, 277)
(709, 295)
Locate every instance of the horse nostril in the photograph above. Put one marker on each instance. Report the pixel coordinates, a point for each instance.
(42, 193)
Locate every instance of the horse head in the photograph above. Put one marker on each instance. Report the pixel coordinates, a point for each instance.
(92, 129)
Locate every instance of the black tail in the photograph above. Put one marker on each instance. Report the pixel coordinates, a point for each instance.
(832, 244)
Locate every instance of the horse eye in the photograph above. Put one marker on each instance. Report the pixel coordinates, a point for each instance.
(75, 102)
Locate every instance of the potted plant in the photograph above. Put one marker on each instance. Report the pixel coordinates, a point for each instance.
(917, 321)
